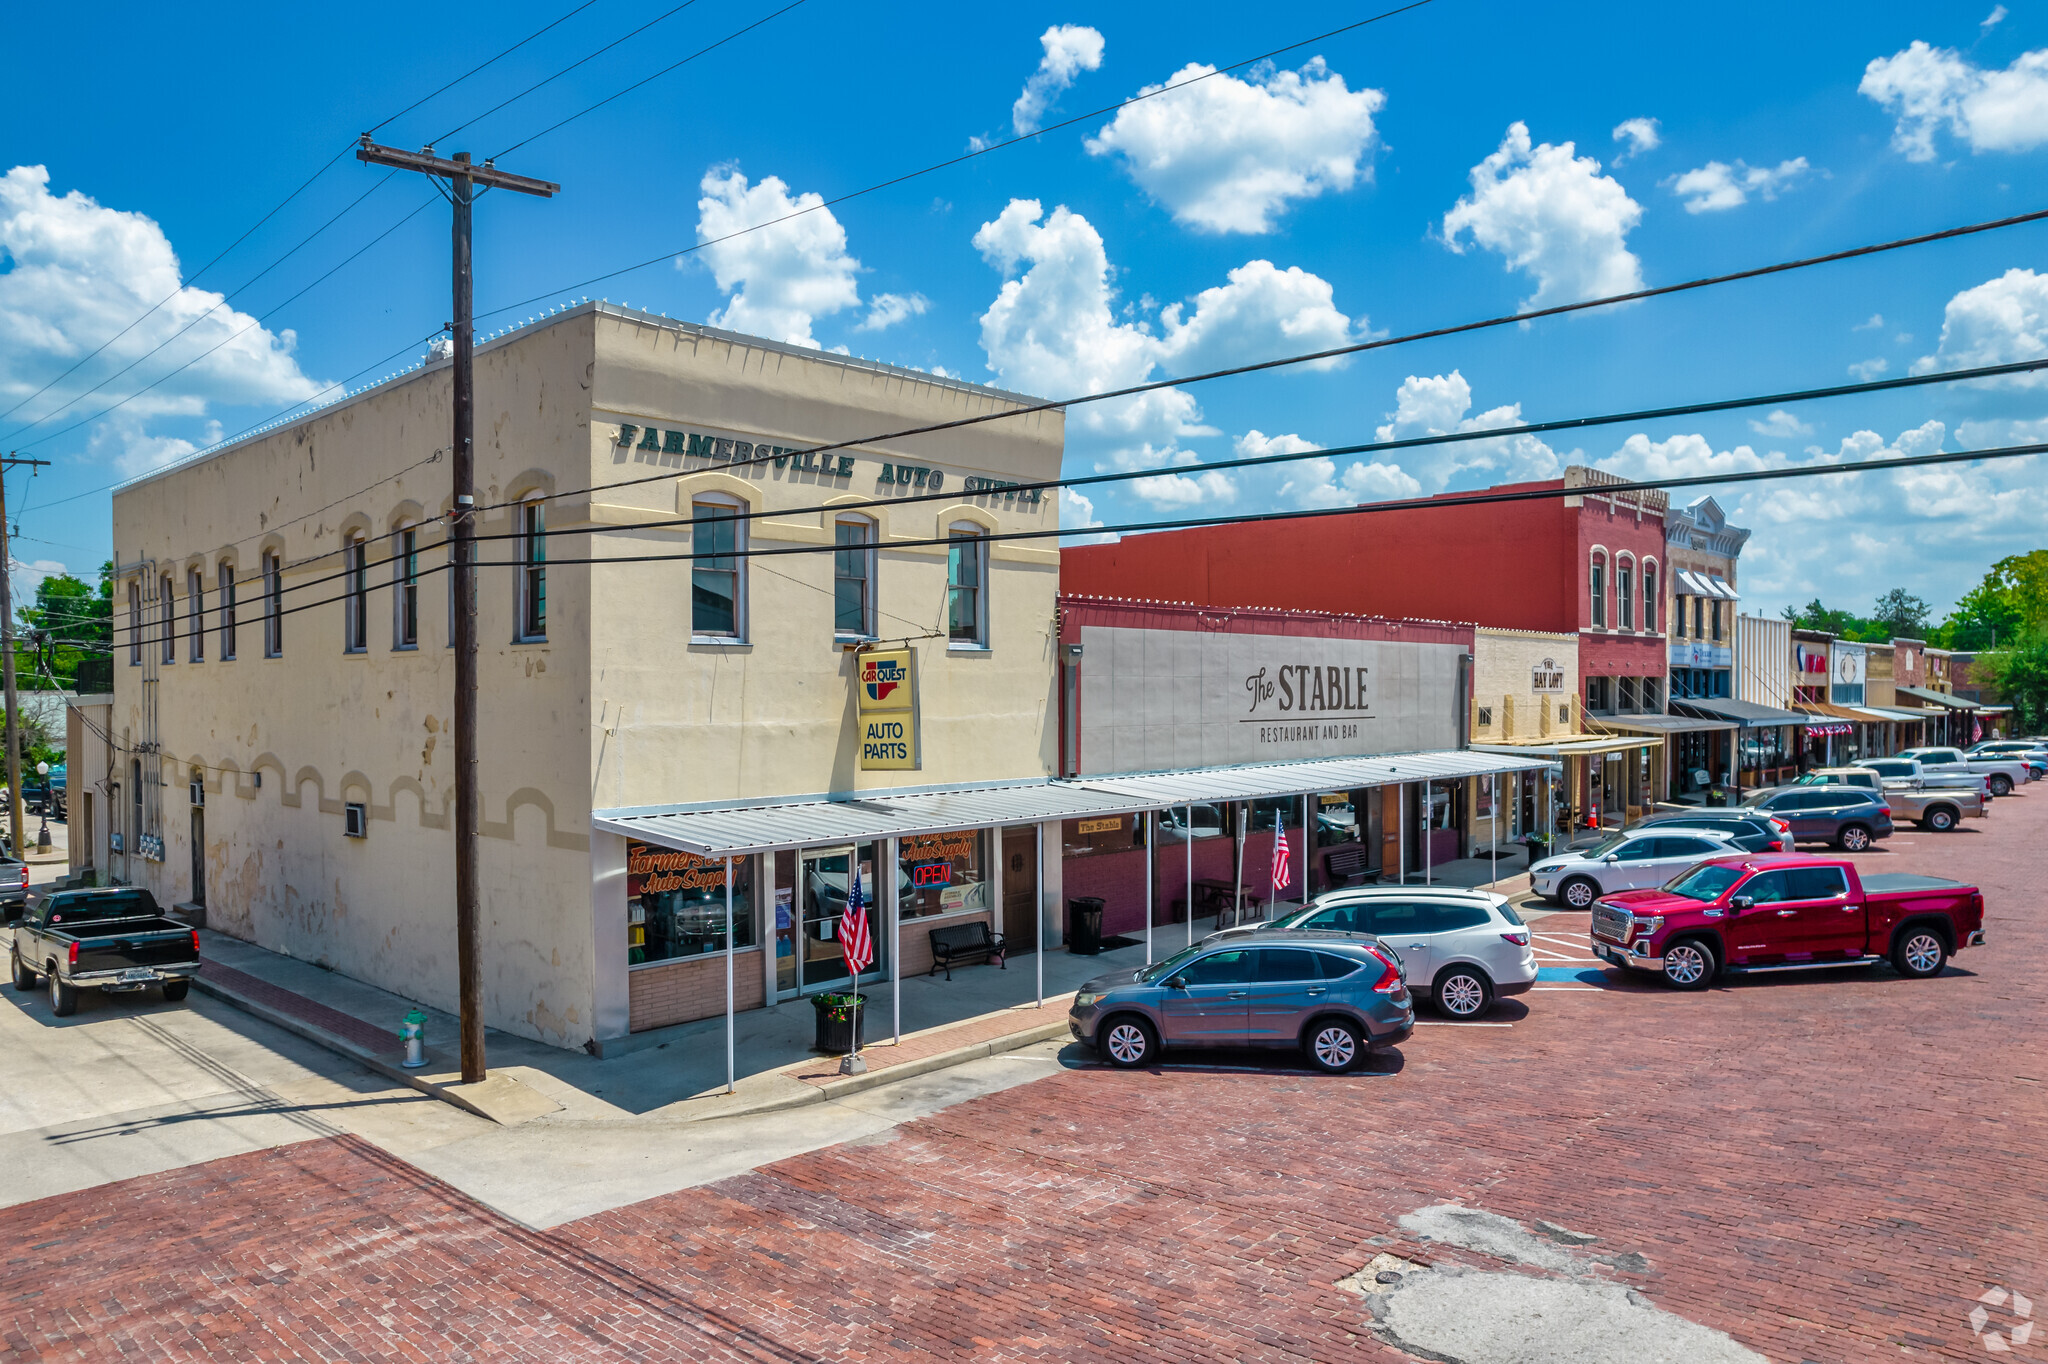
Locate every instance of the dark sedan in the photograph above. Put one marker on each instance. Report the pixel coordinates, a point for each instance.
(1846, 816)
(1748, 830)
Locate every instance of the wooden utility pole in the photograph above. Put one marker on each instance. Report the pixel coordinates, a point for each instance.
(15, 820)
(463, 181)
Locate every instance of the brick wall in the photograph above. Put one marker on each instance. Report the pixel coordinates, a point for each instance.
(917, 946)
(692, 988)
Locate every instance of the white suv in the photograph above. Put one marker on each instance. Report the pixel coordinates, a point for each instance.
(1462, 949)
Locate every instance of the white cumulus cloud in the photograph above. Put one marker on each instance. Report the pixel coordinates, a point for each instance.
(1780, 425)
(1553, 214)
(1927, 89)
(1436, 405)
(1688, 456)
(1186, 490)
(886, 310)
(1053, 328)
(1228, 155)
(1638, 135)
(1718, 185)
(1863, 371)
(74, 273)
(1070, 49)
(1998, 322)
(781, 280)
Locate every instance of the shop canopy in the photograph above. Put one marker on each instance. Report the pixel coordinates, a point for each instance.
(1576, 746)
(1661, 724)
(1938, 698)
(1748, 714)
(1890, 717)
(1705, 585)
(770, 825)
(1827, 710)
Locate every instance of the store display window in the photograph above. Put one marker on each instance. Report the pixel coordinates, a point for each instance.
(943, 874)
(675, 904)
(1098, 834)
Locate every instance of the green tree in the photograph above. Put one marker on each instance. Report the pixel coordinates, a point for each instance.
(2021, 675)
(1900, 613)
(2010, 602)
(69, 620)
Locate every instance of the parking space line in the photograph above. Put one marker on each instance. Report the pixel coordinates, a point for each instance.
(1430, 1023)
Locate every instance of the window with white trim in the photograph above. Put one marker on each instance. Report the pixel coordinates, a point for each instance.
(530, 588)
(966, 586)
(1650, 599)
(355, 600)
(405, 593)
(1599, 591)
(135, 622)
(718, 604)
(167, 617)
(1624, 593)
(853, 578)
(273, 604)
(225, 576)
(195, 615)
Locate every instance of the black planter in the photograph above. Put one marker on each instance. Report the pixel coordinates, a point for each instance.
(842, 1021)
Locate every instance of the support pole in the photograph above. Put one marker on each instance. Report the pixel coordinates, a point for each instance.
(1151, 829)
(1188, 891)
(1039, 928)
(1401, 834)
(895, 916)
(1307, 832)
(16, 821)
(1493, 828)
(1428, 831)
(729, 1065)
(1244, 810)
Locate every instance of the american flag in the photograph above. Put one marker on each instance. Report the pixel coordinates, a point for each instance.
(1283, 865)
(853, 929)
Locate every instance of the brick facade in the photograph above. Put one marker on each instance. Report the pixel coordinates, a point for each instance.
(692, 988)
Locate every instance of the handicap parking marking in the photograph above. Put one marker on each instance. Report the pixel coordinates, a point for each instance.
(1586, 976)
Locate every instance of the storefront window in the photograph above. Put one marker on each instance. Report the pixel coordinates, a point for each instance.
(1100, 834)
(1208, 822)
(675, 904)
(943, 874)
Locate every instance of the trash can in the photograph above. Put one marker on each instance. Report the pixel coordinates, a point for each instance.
(842, 1023)
(1084, 926)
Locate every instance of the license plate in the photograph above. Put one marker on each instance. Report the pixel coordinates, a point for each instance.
(138, 973)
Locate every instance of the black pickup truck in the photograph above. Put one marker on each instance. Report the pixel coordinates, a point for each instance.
(112, 939)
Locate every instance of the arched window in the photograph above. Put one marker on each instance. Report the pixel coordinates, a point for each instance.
(135, 622)
(718, 577)
(853, 578)
(355, 586)
(530, 589)
(405, 587)
(1624, 592)
(967, 587)
(195, 613)
(273, 604)
(167, 617)
(135, 805)
(1651, 601)
(225, 575)
(1599, 589)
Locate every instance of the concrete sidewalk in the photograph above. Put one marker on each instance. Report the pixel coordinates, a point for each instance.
(676, 1074)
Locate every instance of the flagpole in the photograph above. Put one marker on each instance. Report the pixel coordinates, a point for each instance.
(895, 942)
(1038, 919)
(1188, 890)
(728, 978)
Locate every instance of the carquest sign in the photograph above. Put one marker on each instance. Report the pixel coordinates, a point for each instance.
(885, 700)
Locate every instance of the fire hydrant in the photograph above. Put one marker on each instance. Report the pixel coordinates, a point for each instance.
(412, 1033)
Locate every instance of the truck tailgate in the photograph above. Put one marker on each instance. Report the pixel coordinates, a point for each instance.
(150, 942)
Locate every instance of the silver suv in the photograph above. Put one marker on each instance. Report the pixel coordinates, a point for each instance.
(1460, 949)
(1334, 995)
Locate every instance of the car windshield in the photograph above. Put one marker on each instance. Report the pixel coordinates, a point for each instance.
(71, 909)
(1758, 797)
(1160, 970)
(1813, 779)
(1603, 847)
(1705, 883)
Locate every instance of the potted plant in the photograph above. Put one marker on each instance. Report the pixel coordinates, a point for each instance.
(840, 1028)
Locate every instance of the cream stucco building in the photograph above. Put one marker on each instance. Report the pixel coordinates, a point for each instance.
(281, 707)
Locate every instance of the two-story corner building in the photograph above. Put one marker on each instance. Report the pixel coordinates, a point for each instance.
(283, 679)
(1702, 550)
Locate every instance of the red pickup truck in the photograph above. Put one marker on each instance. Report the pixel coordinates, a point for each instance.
(1760, 912)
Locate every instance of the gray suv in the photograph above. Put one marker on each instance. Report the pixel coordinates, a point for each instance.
(1842, 815)
(1336, 996)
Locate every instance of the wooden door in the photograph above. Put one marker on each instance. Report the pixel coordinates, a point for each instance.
(1020, 889)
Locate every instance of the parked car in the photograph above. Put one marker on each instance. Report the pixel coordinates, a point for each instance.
(2028, 750)
(1334, 995)
(1910, 770)
(112, 939)
(2004, 773)
(1844, 816)
(1787, 912)
(13, 885)
(1752, 832)
(1460, 949)
(1624, 861)
(1939, 810)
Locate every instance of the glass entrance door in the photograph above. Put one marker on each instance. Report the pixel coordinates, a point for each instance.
(823, 878)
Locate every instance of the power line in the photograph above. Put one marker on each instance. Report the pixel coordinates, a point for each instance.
(474, 69)
(1809, 470)
(617, 94)
(953, 160)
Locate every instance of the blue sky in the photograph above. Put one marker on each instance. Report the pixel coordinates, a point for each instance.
(1453, 162)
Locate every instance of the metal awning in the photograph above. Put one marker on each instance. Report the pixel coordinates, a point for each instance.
(1721, 587)
(1660, 724)
(1748, 714)
(1937, 698)
(1889, 717)
(1575, 746)
(1702, 584)
(768, 825)
(1828, 710)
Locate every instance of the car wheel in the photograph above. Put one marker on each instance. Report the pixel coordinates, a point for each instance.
(1463, 992)
(1689, 964)
(2001, 785)
(1333, 1045)
(63, 999)
(1579, 893)
(1941, 819)
(24, 979)
(1128, 1042)
(175, 990)
(1919, 953)
(1854, 838)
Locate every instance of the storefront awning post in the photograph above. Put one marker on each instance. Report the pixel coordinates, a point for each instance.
(1428, 832)
(1237, 878)
(895, 942)
(1151, 827)
(1493, 826)
(1188, 889)
(1038, 955)
(1401, 835)
(730, 1068)
(1306, 830)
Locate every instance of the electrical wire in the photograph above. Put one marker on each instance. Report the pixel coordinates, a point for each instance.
(474, 69)
(971, 155)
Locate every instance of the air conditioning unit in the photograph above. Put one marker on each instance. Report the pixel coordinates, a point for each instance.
(357, 817)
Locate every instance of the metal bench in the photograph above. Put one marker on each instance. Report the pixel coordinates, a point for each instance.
(1346, 866)
(968, 941)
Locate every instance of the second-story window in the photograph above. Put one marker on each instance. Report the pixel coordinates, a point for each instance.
(355, 601)
(1699, 609)
(532, 587)
(853, 579)
(716, 604)
(167, 617)
(273, 604)
(1599, 594)
(1624, 595)
(226, 576)
(966, 582)
(1650, 598)
(134, 622)
(405, 574)
(1717, 622)
(195, 613)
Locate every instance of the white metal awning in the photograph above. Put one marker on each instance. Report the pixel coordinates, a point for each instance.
(771, 825)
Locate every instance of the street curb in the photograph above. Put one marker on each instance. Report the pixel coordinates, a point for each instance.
(942, 1060)
(323, 1038)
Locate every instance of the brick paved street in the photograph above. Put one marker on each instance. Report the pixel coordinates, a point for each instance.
(1827, 1168)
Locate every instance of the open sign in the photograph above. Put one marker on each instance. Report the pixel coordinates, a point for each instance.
(924, 874)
